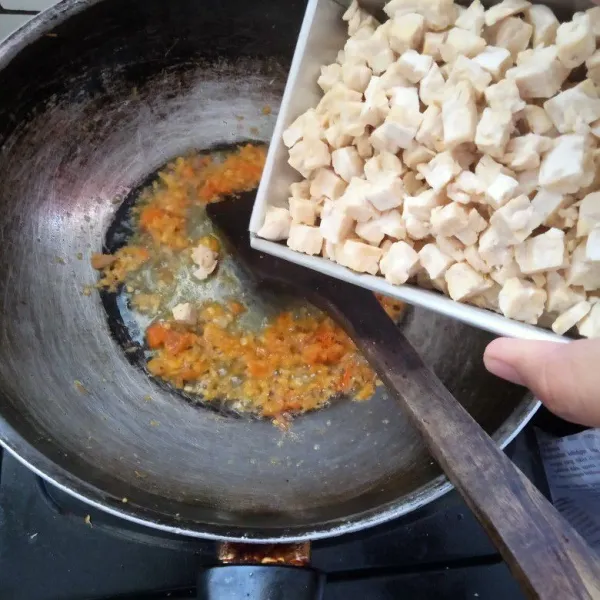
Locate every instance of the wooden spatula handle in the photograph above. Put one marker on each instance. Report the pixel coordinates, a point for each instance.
(546, 555)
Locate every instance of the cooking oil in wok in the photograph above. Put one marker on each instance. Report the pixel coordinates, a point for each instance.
(249, 352)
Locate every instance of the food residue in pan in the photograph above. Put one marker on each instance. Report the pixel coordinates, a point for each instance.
(206, 332)
(294, 363)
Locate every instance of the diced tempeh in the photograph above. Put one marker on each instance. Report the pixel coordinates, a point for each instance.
(414, 66)
(360, 257)
(472, 19)
(327, 183)
(306, 239)
(386, 192)
(504, 9)
(347, 163)
(494, 60)
(544, 24)
(504, 96)
(276, 225)
(432, 43)
(303, 211)
(589, 326)
(513, 34)
(522, 300)
(582, 272)
(575, 41)
(460, 42)
(493, 131)
(501, 190)
(355, 203)
(439, 171)
(399, 263)
(592, 247)
(563, 167)
(308, 155)
(406, 33)
(438, 14)
(434, 261)
(540, 74)
(589, 214)
(382, 164)
(185, 313)
(459, 115)
(571, 317)
(545, 252)
(560, 296)
(464, 282)
(336, 225)
(574, 107)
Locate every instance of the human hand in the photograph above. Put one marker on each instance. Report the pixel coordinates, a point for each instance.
(565, 377)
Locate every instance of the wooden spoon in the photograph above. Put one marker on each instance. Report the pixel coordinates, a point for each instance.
(546, 555)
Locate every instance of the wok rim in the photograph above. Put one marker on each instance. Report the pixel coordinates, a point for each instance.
(58, 476)
(43, 466)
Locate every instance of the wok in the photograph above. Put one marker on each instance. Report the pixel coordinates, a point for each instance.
(94, 97)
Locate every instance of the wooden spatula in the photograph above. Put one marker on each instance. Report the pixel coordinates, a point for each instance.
(546, 555)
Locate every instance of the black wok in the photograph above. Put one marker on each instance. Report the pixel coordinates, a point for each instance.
(94, 97)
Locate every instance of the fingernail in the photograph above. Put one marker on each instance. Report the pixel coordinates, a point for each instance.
(503, 370)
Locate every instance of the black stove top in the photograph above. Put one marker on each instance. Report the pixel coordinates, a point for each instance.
(53, 547)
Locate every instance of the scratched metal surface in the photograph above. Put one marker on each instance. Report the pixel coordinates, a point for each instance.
(94, 96)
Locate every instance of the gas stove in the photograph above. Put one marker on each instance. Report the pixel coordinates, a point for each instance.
(53, 547)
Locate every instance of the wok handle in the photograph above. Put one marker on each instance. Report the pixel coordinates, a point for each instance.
(546, 555)
(260, 582)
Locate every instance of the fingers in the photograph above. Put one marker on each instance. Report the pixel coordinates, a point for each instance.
(565, 377)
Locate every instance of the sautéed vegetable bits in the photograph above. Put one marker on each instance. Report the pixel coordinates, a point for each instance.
(293, 361)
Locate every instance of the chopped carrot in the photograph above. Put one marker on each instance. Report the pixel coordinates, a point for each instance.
(156, 335)
(346, 380)
(294, 364)
(101, 261)
(164, 227)
(175, 341)
(127, 260)
(239, 172)
(258, 368)
(236, 308)
(150, 215)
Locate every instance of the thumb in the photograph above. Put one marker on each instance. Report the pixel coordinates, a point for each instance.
(565, 377)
